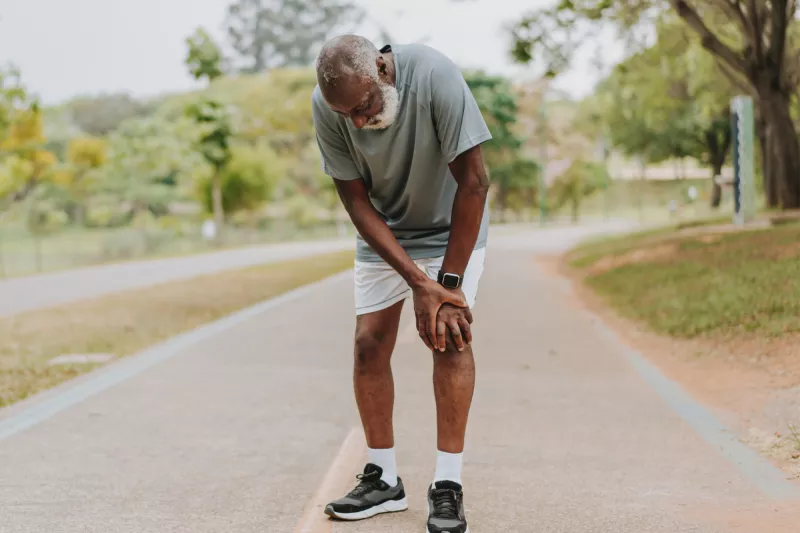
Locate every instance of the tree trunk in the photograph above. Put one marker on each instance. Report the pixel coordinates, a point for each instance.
(216, 202)
(719, 153)
(770, 190)
(716, 188)
(782, 156)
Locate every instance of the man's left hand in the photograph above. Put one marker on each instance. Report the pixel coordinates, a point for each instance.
(453, 327)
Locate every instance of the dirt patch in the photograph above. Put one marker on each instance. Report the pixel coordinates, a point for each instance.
(751, 383)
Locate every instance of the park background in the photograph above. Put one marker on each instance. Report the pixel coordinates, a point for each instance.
(629, 118)
(125, 128)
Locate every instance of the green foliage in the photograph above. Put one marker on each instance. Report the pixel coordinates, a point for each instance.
(12, 97)
(247, 181)
(508, 168)
(100, 115)
(25, 162)
(152, 160)
(214, 121)
(204, 57)
(279, 33)
(581, 179)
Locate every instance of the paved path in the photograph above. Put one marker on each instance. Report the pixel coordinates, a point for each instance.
(234, 429)
(33, 292)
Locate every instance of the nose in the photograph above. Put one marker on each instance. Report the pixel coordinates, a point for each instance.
(359, 122)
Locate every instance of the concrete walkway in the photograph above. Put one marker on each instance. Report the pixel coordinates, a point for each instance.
(34, 292)
(237, 426)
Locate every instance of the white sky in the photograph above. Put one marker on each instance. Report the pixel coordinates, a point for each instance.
(70, 47)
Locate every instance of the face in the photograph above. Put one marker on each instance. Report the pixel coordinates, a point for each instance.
(369, 104)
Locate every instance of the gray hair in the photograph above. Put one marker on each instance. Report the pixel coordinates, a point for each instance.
(346, 56)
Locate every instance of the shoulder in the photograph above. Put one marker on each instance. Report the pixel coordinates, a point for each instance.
(321, 114)
(318, 104)
(424, 61)
(430, 73)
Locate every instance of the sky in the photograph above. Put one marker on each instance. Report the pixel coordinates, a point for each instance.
(67, 48)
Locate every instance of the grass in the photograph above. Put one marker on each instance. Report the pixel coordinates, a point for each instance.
(124, 323)
(687, 286)
(22, 253)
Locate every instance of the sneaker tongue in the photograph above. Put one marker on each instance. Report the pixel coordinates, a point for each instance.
(370, 468)
(451, 485)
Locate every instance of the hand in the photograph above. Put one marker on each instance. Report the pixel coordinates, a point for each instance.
(453, 325)
(428, 298)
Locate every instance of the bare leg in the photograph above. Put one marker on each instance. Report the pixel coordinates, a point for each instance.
(453, 385)
(376, 334)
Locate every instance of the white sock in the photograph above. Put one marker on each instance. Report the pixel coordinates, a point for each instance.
(385, 458)
(448, 467)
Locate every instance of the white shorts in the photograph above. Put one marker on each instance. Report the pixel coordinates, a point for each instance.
(379, 286)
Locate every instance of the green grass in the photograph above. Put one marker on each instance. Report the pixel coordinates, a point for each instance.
(686, 286)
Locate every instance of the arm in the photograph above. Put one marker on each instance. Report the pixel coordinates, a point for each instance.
(461, 129)
(429, 296)
(468, 206)
(375, 232)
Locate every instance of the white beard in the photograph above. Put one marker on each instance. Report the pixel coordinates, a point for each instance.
(391, 105)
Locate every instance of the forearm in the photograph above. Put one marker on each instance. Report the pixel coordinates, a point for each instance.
(376, 233)
(465, 225)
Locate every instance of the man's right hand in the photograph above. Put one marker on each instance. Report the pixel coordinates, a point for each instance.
(429, 297)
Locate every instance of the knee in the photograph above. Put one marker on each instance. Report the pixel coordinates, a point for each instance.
(372, 348)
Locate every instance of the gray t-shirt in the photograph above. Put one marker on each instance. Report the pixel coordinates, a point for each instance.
(405, 166)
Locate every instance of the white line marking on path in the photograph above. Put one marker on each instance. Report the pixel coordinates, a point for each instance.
(350, 458)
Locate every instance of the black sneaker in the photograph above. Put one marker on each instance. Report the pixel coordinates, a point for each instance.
(446, 508)
(370, 497)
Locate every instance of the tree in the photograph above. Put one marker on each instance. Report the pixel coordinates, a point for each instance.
(751, 42)
(204, 57)
(507, 168)
(152, 161)
(204, 60)
(86, 156)
(668, 101)
(580, 180)
(278, 33)
(247, 181)
(26, 164)
(100, 115)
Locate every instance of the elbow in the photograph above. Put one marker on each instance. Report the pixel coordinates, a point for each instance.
(476, 187)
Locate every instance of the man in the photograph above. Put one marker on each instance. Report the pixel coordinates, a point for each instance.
(400, 133)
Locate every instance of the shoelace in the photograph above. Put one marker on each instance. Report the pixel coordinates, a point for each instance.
(445, 503)
(367, 482)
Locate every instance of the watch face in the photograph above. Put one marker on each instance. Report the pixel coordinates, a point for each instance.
(450, 281)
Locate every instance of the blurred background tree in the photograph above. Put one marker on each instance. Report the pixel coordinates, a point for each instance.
(204, 60)
(283, 33)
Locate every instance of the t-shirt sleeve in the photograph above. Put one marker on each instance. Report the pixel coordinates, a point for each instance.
(336, 159)
(459, 122)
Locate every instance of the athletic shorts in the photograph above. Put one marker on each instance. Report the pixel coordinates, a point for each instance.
(378, 285)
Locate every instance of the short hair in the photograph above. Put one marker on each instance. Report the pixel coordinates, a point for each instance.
(346, 56)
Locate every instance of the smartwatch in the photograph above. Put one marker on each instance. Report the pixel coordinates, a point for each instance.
(449, 280)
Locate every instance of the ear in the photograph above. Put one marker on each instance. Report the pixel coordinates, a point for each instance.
(381, 62)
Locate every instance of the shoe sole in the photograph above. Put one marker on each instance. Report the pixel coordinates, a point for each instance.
(391, 506)
(429, 531)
